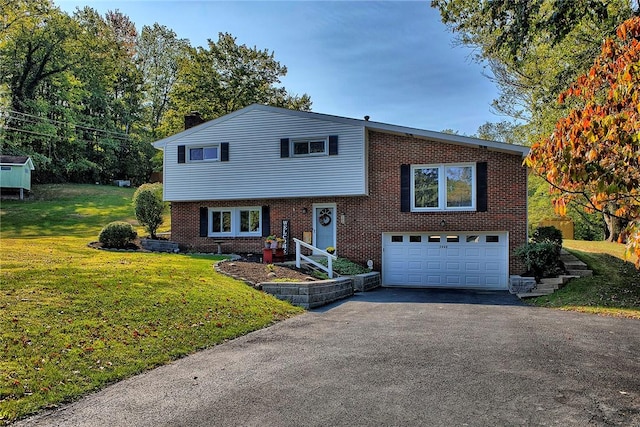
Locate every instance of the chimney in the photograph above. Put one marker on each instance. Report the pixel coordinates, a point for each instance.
(192, 119)
(366, 118)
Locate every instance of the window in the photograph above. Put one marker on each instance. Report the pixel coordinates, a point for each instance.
(434, 239)
(443, 187)
(204, 154)
(310, 147)
(493, 239)
(415, 239)
(397, 239)
(453, 239)
(235, 222)
(5, 168)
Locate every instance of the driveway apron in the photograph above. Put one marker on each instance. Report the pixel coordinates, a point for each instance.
(392, 357)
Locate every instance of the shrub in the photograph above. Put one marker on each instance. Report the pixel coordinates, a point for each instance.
(345, 267)
(117, 234)
(548, 234)
(541, 259)
(148, 204)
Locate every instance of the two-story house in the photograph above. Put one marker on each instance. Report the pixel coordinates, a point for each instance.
(427, 208)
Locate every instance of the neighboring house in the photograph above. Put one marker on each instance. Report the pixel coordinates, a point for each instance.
(429, 209)
(15, 173)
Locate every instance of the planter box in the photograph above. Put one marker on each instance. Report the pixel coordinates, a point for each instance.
(159, 245)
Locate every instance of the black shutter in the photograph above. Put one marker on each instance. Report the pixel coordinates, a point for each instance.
(333, 145)
(405, 188)
(481, 187)
(266, 221)
(181, 155)
(204, 222)
(224, 152)
(284, 147)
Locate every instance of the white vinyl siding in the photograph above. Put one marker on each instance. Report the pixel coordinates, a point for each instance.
(256, 170)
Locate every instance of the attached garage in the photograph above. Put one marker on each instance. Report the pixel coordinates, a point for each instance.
(464, 260)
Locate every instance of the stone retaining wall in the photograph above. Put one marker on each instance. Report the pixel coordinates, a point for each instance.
(159, 245)
(310, 294)
(367, 281)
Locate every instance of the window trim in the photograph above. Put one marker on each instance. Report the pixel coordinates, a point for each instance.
(442, 187)
(203, 147)
(294, 141)
(236, 222)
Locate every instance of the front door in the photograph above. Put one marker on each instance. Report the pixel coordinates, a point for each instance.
(324, 226)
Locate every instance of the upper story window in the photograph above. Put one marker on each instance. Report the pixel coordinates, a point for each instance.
(204, 154)
(443, 187)
(309, 147)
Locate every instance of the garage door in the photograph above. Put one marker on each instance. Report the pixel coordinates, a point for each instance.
(452, 260)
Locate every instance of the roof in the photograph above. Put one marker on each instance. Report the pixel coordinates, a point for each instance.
(17, 161)
(376, 126)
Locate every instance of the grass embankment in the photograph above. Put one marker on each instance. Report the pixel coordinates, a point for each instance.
(73, 319)
(614, 289)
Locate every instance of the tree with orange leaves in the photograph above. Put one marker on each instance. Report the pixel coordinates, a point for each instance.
(593, 155)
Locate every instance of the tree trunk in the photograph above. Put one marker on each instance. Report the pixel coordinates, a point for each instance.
(614, 225)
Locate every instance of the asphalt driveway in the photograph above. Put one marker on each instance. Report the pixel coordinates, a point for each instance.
(393, 357)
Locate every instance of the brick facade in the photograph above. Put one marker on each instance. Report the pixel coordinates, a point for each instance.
(366, 218)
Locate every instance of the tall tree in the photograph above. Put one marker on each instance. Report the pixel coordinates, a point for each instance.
(226, 77)
(593, 154)
(159, 50)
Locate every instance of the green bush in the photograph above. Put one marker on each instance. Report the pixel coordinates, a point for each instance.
(548, 234)
(541, 259)
(345, 267)
(117, 234)
(148, 205)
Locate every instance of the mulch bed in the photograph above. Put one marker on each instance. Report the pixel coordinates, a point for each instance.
(255, 273)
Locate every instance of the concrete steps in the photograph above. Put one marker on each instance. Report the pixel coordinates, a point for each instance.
(575, 269)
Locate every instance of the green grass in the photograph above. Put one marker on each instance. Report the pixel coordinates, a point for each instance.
(73, 319)
(614, 289)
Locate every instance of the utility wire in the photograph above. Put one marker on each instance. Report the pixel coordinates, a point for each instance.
(12, 114)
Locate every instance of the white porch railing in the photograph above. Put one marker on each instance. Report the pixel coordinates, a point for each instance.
(316, 251)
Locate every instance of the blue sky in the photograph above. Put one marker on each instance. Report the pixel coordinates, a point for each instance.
(392, 60)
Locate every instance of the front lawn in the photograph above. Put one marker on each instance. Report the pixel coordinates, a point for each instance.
(614, 289)
(73, 319)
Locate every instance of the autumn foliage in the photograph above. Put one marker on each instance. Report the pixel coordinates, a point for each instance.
(593, 155)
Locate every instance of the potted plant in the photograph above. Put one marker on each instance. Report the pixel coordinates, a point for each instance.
(270, 242)
(279, 242)
(331, 250)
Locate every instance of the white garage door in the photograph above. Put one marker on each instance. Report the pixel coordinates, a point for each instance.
(451, 260)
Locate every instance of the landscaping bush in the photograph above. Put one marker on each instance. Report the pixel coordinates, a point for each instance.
(541, 259)
(148, 204)
(345, 267)
(117, 234)
(548, 234)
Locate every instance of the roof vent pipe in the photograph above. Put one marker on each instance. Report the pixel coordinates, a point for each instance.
(366, 118)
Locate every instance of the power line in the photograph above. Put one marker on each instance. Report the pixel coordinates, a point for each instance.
(12, 114)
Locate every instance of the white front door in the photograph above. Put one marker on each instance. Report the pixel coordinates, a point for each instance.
(324, 226)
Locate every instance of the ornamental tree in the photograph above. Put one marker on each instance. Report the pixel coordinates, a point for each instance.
(149, 207)
(593, 155)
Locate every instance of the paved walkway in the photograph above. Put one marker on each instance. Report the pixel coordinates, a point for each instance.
(393, 357)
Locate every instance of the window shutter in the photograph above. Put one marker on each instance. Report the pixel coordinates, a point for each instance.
(181, 154)
(481, 187)
(266, 221)
(204, 221)
(405, 188)
(224, 152)
(284, 147)
(333, 145)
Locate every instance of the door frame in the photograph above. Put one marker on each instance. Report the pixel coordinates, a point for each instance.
(334, 221)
